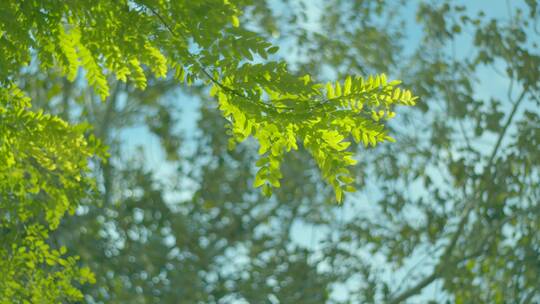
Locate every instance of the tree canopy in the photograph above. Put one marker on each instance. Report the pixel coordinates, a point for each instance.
(447, 214)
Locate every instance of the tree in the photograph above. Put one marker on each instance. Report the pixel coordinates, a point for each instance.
(199, 41)
(457, 211)
(453, 206)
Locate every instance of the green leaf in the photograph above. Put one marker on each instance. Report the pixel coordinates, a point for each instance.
(330, 91)
(347, 86)
(272, 50)
(235, 21)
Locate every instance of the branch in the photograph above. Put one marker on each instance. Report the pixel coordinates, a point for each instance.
(505, 127)
(437, 272)
(530, 296)
(461, 225)
(414, 290)
(269, 106)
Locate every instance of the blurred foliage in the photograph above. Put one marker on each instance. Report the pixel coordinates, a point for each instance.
(448, 214)
(457, 213)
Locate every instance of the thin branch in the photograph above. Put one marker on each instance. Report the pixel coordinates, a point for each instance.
(445, 256)
(267, 105)
(414, 290)
(415, 266)
(449, 250)
(201, 66)
(530, 296)
(505, 127)
(465, 136)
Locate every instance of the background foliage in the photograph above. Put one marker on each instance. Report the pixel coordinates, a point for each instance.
(448, 213)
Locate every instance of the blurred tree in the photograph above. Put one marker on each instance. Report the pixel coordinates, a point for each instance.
(456, 204)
